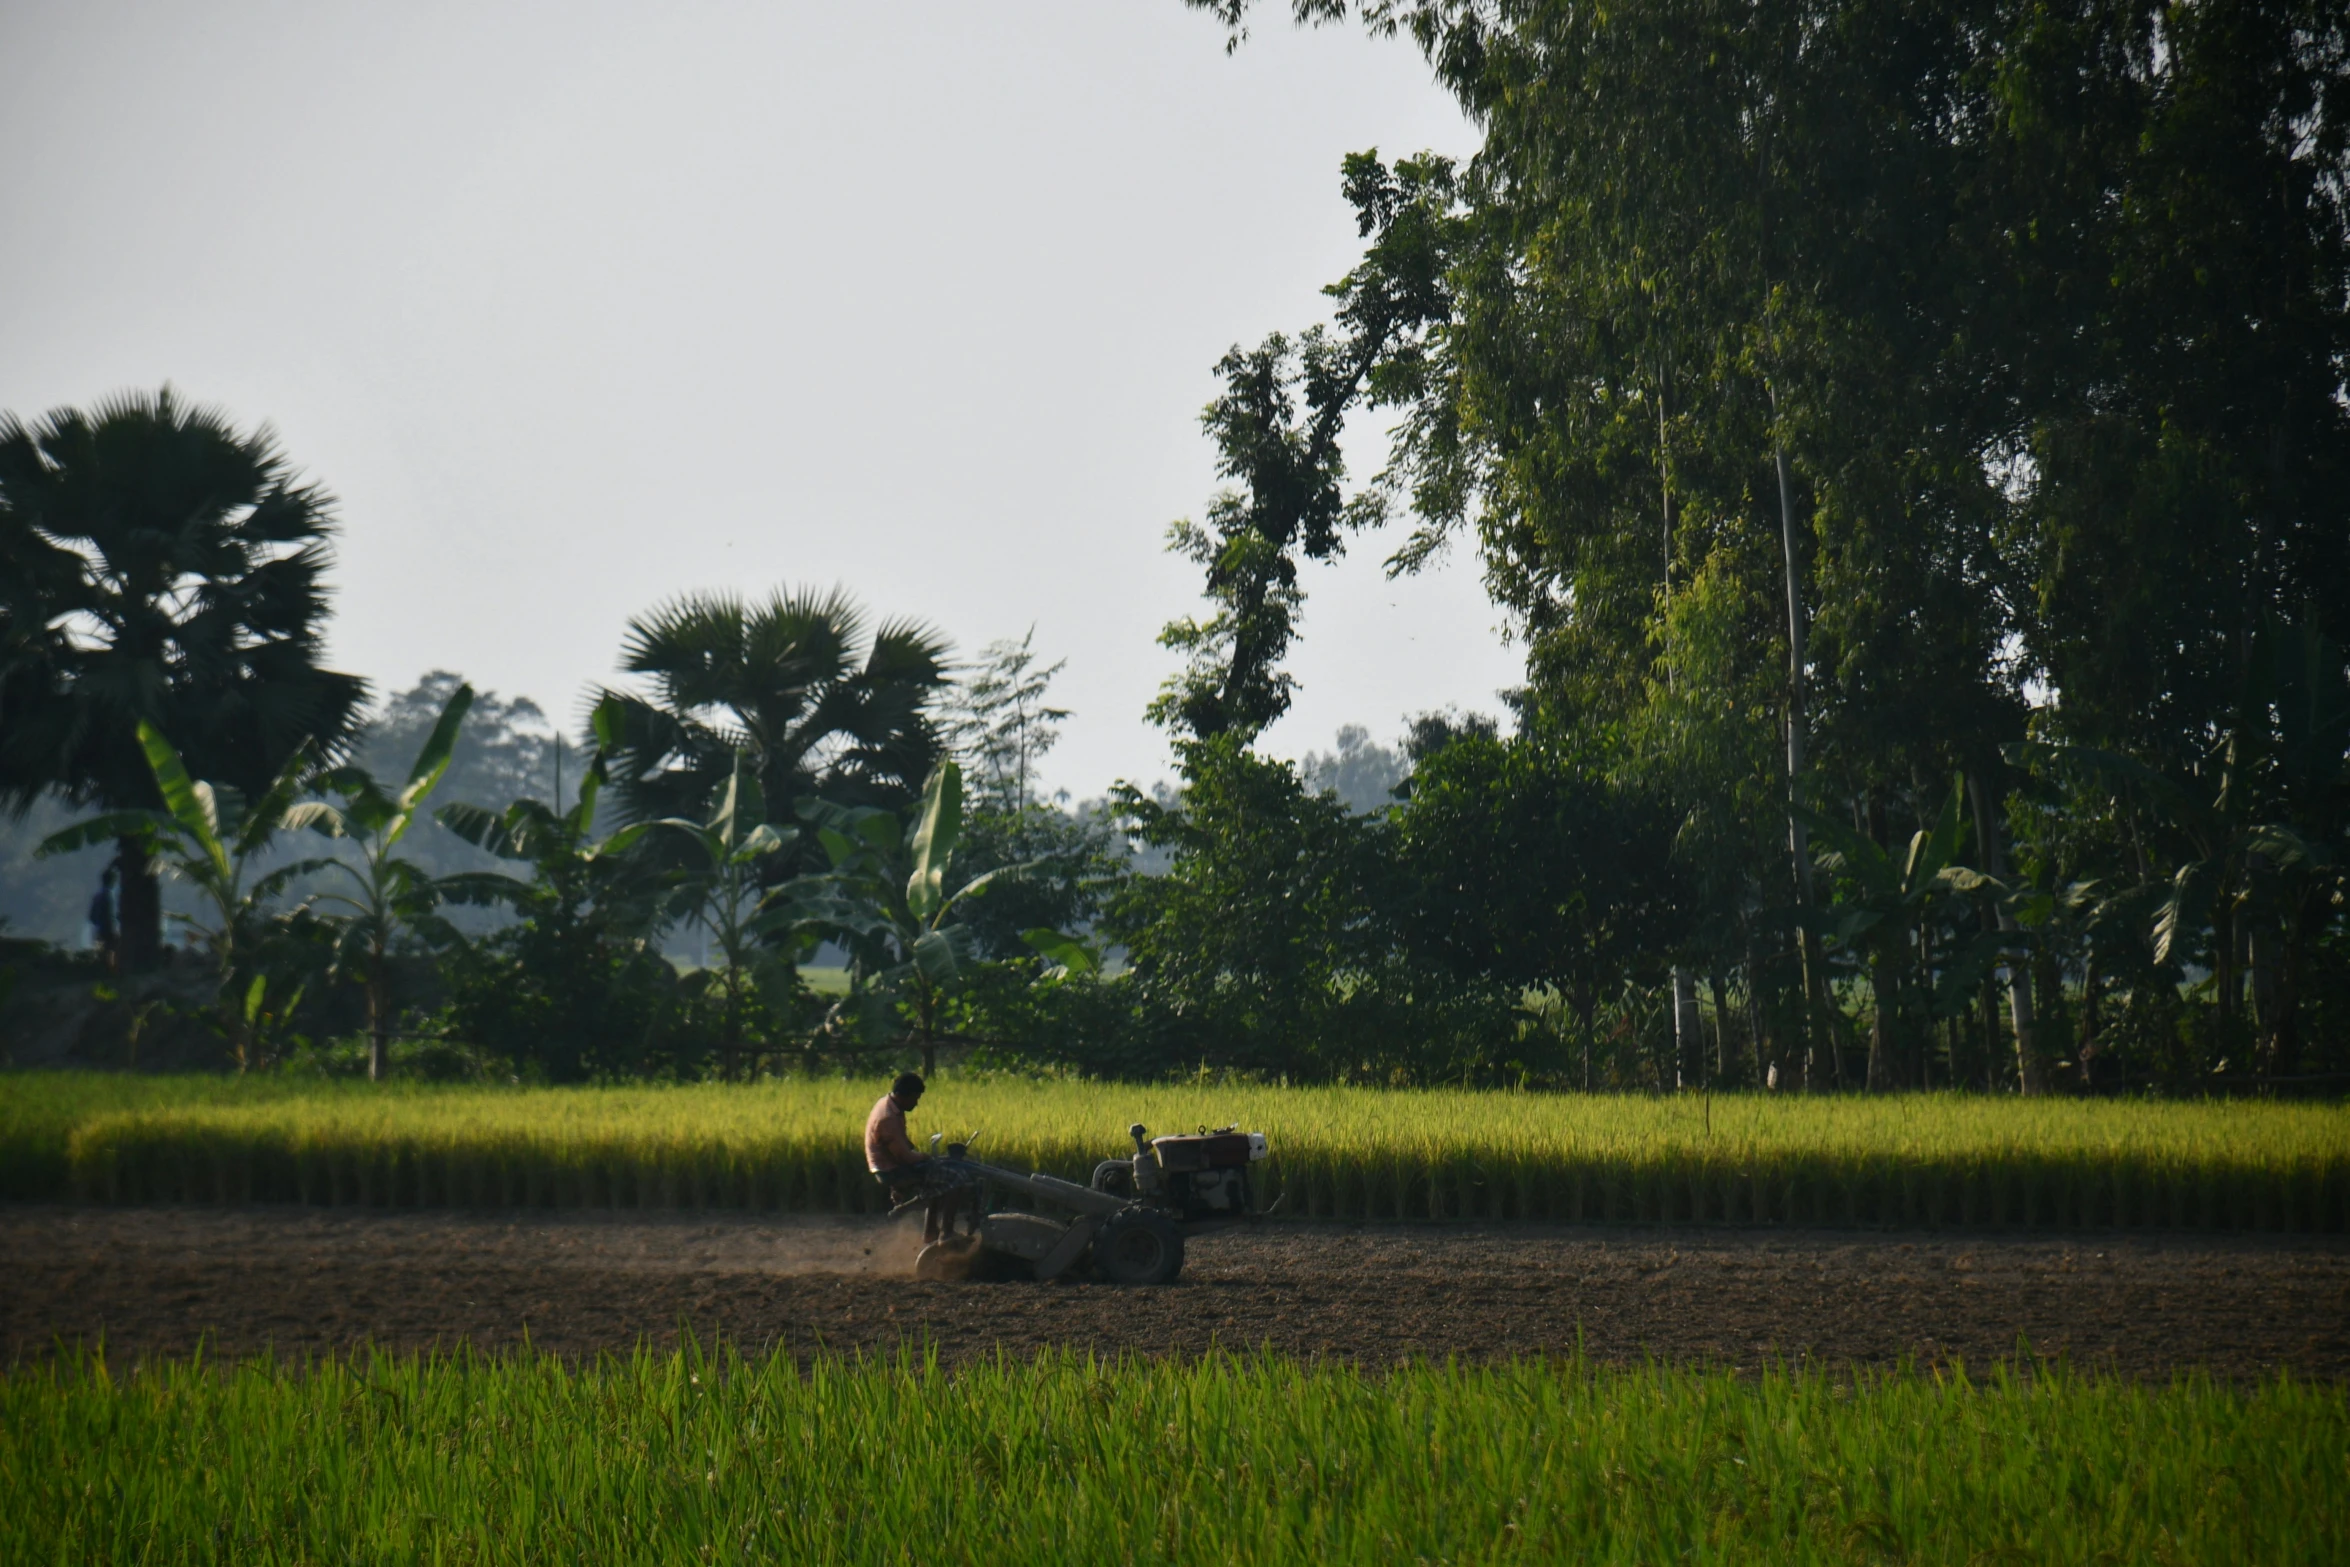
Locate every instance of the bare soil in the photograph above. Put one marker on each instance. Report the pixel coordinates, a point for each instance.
(153, 1282)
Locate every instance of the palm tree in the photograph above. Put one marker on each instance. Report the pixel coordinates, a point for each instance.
(165, 569)
(792, 685)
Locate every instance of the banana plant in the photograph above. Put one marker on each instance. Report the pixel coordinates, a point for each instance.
(574, 874)
(885, 898)
(2257, 845)
(383, 894)
(1885, 909)
(722, 889)
(210, 838)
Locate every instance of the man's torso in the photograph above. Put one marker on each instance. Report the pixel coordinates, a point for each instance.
(885, 1136)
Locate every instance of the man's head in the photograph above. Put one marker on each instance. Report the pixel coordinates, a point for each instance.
(907, 1090)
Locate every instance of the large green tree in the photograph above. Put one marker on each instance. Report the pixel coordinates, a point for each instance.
(158, 566)
(1524, 866)
(1933, 358)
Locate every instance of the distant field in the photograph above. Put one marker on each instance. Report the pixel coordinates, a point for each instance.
(687, 1457)
(1923, 1160)
(826, 981)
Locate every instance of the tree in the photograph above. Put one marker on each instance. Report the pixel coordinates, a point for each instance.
(1361, 772)
(1888, 914)
(1528, 868)
(999, 718)
(574, 986)
(2248, 852)
(887, 898)
(795, 684)
(212, 838)
(388, 894)
(721, 893)
(1271, 943)
(1965, 352)
(1000, 722)
(163, 568)
(1065, 865)
(1277, 426)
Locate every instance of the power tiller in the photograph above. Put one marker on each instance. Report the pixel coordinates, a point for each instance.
(1128, 1226)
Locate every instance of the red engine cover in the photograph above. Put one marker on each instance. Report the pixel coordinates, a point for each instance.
(1215, 1151)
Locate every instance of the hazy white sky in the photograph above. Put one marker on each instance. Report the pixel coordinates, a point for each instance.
(579, 306)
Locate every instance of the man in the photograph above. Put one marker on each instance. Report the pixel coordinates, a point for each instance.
(895, 1162)
(889, 1153)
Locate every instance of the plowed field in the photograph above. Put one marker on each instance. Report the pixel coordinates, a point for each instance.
(242, 1281)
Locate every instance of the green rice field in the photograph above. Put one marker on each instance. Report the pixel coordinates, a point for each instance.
(704, 1457)
(1340, 1153)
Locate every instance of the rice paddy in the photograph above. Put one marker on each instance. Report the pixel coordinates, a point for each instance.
(1341, 1154)
(706, 1457)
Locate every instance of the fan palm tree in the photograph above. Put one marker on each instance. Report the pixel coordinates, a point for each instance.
(166, 569)
(793, 685)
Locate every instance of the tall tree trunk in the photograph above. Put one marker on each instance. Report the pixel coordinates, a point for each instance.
(2092, 1021)
(2292, 965)
(1881, 1023)
(1688, 1029)
(379, 1021)
(2223, 975)
(1798, 841)
(2021, 1013)
(2261, 978)
(1989, 997)
(730, 1026)
(1721, 1025)
(1583, 1009)
(1920, 1072)
(139, 906)
(1754, 1007)
(2050, 1015)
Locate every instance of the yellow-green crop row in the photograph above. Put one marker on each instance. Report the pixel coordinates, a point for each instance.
(1059, 1459)
(1340, 1153)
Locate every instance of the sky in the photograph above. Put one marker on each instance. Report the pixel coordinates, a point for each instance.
(578, 307)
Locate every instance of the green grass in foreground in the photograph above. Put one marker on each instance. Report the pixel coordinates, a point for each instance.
(687, 1458)
(1339, 1153)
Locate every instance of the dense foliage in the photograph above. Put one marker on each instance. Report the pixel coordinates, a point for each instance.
(1847, 398)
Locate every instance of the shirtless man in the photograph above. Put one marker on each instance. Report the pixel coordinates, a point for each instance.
(889, 1153)
(891, 1156)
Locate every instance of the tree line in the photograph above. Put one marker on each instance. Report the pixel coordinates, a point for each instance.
(1907, 444)
(779, 775)
(1910, 444)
